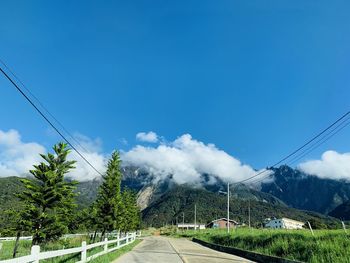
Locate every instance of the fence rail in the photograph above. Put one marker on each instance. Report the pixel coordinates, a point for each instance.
(30, 237)
(35, 255)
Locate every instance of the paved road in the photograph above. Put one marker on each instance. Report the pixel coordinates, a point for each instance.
(157, 249)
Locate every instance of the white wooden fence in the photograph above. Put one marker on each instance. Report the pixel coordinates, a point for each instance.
(30, 237)
(36, 255)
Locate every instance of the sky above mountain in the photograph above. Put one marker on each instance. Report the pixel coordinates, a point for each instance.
(254, 78)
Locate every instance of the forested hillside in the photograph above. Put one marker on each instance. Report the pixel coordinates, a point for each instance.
(303, 191)
(182, 199)
(342, 211)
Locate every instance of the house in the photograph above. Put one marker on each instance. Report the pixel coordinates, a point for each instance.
(284, 223)
(190, 226)
(222, 223)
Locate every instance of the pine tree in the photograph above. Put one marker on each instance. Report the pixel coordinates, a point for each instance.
(109, 202)
(131, 211)
(49, 199)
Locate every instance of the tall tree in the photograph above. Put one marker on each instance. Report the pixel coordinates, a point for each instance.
(131, 210)
(109, 201)
(49, 199)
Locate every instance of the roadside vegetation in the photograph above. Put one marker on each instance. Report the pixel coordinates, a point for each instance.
(25, 245)
(47, 207)
(325, 246)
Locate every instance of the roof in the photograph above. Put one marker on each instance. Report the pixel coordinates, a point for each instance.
(224, 219)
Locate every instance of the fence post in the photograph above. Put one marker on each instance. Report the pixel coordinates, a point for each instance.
(118, 240)
(106, 245)
(83, 251)
(35, 251)
(312, 232)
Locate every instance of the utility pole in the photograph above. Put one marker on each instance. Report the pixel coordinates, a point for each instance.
(195, 217)
(228, 207)
(183, 221)
(249, 213)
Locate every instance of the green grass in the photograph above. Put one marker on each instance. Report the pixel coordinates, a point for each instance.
(115, 254)
(25, 246)
(327, 245)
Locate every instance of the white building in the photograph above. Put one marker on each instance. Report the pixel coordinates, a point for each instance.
(284, 223)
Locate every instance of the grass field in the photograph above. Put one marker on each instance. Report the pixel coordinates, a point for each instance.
(325, 247)
(25, 246)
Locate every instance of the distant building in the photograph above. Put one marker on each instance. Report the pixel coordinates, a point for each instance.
(284, 223)
(188, 226)
(222, 223)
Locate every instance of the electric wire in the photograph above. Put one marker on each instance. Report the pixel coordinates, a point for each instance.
(47, 120)
(310, 149)
(43, 107)
(330, 127)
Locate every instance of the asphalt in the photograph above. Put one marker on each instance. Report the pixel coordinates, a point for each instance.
(158, 249)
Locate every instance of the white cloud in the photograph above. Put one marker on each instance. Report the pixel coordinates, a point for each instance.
(147, 137)
(186, 159)
(333, 165)
(92, 151)
(18, 157)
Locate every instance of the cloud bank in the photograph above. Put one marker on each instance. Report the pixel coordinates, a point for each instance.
(92, 151)
(186, 159)
(333, 165)
(151, 137)
(18, 157)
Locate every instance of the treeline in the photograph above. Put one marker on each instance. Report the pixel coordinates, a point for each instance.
(47, 209)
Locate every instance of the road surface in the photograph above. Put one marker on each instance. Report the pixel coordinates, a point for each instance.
(158, 249)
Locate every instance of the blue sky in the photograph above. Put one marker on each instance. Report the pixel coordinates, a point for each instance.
(255, 78)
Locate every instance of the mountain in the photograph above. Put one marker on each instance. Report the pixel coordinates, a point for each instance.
(307, 192)
(291, 188)
(342, 211)
(169, 208)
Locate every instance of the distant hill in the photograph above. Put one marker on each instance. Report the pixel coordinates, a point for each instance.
(342, 211)
(181, 199)
(8, 187)
(291, 188)
(307, 192)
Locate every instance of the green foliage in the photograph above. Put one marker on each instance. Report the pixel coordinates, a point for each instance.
(49, 199)
(326, 246)
(108, 205)
(168, 209)
(131, 211)
(113, 209)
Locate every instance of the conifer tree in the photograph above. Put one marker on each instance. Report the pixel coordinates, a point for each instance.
(131, 211)
(49, 199)
(109, 201)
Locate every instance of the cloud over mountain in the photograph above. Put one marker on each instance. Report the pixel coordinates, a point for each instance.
(333, 165)
(186, 159)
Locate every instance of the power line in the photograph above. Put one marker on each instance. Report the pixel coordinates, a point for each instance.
(320, 141)
(303, 146)
(324, 139)
(47, 120)
(43, 107)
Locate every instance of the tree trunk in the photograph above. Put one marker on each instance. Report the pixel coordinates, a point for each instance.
(93, 239)
(103, 234)
(16, 244)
